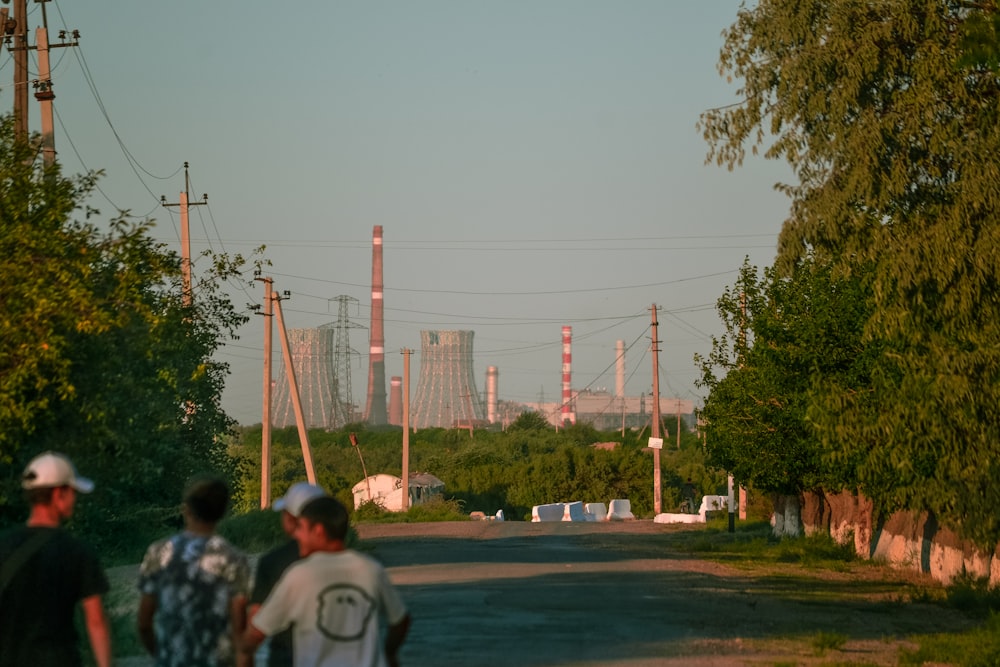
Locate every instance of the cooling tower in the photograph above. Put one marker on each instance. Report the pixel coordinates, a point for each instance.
(312, 358)
(492, 376)
(446, 393)
(375, 404)
(567, 362)
(396, 400)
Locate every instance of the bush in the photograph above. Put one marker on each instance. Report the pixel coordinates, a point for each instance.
(437, 509)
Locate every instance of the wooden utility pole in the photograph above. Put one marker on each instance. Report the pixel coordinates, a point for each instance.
(265, 421)
(743, 343)
(17, 29)
(44, 95)
(293, 388)
(185, 234)
(406, 429)
(678, 424)
(738, 497)
(655, 441)
(21, 69)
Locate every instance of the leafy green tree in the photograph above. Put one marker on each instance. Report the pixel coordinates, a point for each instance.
(788, 340)
(99, 356)
(891, 127)
(530, 421)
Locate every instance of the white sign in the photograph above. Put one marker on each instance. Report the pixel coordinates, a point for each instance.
(656, 443)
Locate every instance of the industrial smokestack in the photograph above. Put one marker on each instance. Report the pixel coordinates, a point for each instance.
(620, 369)
(396, 400)
(375, 405)
(567, 392)
(492, 377)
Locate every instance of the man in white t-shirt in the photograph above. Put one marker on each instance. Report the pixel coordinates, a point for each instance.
(333, 599)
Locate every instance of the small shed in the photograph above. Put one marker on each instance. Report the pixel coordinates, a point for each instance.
(386, 490)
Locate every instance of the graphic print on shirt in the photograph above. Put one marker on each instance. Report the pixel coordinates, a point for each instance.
(343, 612)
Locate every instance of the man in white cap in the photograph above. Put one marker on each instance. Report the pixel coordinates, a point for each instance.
(45, 572)
(273, 564)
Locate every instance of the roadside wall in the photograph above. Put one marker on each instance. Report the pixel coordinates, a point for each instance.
(908, 540)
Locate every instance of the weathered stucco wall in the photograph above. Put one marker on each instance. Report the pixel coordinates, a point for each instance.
(905, 539)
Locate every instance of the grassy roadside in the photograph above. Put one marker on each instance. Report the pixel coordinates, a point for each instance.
(753, 547)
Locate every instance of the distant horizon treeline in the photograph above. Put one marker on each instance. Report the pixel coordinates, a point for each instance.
(529, 464)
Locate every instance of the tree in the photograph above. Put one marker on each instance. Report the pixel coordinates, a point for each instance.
(99, 357)
(786, 340)
(530, 421)
(890, 124)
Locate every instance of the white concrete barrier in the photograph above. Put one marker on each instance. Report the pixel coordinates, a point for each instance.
(713, 504)
(573, 511)
(620, 510)
(549, 512)
(596, 511)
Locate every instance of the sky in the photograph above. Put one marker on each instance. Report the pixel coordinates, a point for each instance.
(533, 164)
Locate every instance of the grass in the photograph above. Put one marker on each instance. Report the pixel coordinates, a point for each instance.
(979, 647)
(754, 543)
(828, 641)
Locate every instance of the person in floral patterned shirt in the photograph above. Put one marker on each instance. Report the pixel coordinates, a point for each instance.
(194, 586)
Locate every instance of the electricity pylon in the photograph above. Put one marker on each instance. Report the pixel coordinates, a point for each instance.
(342, 411)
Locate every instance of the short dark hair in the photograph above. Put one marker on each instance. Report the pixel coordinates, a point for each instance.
(207, 497)
(41, 495)
(329, 513)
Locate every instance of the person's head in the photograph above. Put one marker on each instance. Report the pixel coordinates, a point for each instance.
(51, 480)
(322, 526)
(205, 499)
(290, 505)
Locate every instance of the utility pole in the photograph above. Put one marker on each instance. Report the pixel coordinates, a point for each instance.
(185, 233)
(20, 50)
(293, 387)
(678, 424)
(656, 442)
(15, 33)
(406, 429)
(743, 345)
(265, 422)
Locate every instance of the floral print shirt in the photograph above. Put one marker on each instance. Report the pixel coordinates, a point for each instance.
(194, 579)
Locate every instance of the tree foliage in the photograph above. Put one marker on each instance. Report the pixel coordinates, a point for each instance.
(889, 119)
(512, 470)
(99, 357)
(787, 341)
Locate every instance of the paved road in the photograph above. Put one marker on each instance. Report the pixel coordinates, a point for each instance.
(499, 594)
(602, 595)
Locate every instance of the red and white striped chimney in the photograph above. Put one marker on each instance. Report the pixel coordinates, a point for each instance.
(567, 393)
(375, 412)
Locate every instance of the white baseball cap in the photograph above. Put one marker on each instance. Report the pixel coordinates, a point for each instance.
(297, 497)
(50, 470)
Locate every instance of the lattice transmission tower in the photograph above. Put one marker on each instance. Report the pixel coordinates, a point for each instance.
(343, 410)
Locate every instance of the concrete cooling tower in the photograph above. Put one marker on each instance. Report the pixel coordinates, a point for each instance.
(446, 393)
(312, 359)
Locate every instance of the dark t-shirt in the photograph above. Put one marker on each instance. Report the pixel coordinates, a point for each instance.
(37, 607)
(270, 567)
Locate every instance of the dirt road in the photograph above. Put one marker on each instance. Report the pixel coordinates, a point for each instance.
(492, 594)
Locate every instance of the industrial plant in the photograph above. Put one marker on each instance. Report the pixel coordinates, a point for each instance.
(446, 394)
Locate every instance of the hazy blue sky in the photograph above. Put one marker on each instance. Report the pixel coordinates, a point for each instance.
(533, 164)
